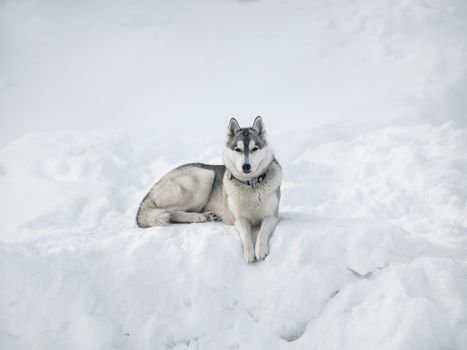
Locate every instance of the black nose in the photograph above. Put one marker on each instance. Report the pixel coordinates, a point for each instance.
(246, 167)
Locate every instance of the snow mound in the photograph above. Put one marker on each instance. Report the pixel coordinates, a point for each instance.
(371, 251)
(414, 176)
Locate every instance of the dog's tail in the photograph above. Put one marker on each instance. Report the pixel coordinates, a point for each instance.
(152, 217)
(149, 215)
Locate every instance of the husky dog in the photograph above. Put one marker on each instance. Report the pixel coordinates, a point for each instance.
(245, 192)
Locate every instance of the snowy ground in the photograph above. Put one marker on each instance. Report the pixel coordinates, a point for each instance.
(145, 64)
(365, 106)
(370, 253)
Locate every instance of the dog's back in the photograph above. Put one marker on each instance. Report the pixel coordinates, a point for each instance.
(182, 194)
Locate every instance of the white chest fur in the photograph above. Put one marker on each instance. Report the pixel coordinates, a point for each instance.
(254, 203)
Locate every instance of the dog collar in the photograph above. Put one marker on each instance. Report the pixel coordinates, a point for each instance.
(252, 182)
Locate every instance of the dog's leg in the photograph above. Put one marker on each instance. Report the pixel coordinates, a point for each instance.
(262, 242)
(191, 217)
(244, 230)
(187, 217)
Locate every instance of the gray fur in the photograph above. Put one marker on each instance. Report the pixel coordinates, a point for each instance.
(200, 192)
(245, 135)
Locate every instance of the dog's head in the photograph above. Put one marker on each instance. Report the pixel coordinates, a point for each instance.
(247, 153)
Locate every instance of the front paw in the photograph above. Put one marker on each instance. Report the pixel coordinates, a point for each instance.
(249, 255)
(261, 250)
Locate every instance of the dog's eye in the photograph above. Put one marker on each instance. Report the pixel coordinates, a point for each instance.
(238, 150)
(254, 149)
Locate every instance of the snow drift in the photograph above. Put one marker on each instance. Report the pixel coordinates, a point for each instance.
(370, 253)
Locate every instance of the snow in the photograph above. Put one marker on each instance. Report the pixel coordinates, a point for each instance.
(371, 251)
(364, 103)
(136, 64)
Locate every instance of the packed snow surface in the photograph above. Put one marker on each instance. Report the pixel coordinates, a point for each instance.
(370, 252)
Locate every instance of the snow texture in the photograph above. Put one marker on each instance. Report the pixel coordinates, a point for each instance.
(370, 252)
(364, 103)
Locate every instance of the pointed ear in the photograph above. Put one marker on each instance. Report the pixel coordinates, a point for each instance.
(233, 127)
(258, 126)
